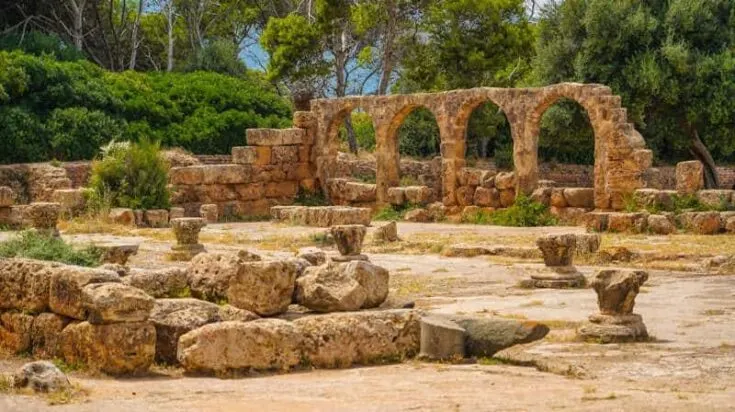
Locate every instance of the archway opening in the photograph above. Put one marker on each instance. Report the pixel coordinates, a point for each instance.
(566, 145)
(418, 144)
(488, 140)
(357, 133)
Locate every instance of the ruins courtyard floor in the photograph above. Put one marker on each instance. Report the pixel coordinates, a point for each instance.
(688, 365)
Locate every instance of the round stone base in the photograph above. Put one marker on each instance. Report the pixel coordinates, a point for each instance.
(562, 277)
(184, 253)
(348, 258)
(614, 328)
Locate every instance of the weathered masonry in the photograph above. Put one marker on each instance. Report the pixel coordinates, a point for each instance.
(621, 158)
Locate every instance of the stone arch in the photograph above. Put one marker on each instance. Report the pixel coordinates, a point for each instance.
(464, 114)
(597, 101)
(386, 145)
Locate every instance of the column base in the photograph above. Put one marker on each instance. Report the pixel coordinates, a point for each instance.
(614, 328)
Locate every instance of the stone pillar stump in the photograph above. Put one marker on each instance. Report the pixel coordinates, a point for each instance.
(349, 242)
(559, 272)
(187, 244)
(43, 217)
(616, 292)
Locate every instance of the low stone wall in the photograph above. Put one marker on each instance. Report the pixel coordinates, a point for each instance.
(322, 216)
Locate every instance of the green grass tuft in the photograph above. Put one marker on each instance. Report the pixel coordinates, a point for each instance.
(33, 245)
(523, 213)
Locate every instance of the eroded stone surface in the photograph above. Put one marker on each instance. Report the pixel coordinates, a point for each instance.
(558, 250)
(115, 302)
(161, 283)
(41, 376)
(349, 238)
(265, 288)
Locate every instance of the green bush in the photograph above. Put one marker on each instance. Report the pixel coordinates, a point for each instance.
(132, 175)
(67, 110)
(310, 198)
(34, 245)
(392, 212)
(523, 213)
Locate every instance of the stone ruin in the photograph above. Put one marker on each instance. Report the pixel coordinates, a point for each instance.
(187, 244)
(616, 292)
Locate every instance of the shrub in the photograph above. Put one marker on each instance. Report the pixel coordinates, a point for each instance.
(132, 175)
(523, 213)
(310, 198)
(33, 245)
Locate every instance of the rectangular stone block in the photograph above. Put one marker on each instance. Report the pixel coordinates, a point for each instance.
(15, 332)
(251, 191)
(67, 283)
(190, 175)
(284, 154)
(281, 189)
(244, 155)
(226, 174)
(274, 137)
(24, 284)
(304, 153)
(689, 177)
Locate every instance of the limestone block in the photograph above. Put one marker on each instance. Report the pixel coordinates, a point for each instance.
(558, 250)
(507, 197)
(396, 196)
(265, 288)
(441, 339)
(225, 346)
(116, 349)
(275, 137)
(284, 154)
(386, 233)
(156, 218)
(469, 176)
(71, 201)
(730, 224)
(24, 284)
(281, 189)
(46, 334)
(418, 195)
(557, 198)
(7, 196)
(66, 288)
(349, 238)
(115, 302)
(660, 225)
(314, 257)
(122, 216)
(465, 195)
(44, 216)
(418, 216)
(15, 332)
(161, 283)
(542, 195)
(174, 317)
(190, 175)
(338, 340)
(580, 197)
(627, 222)
(224, 174)
(117, 253)
(244, 155)
(689, 177)
(209, 274)
(588, 243)
(706, 223)
(505, 180)
(486, 197)
(209, 212)
(716, 198)
(252, 191)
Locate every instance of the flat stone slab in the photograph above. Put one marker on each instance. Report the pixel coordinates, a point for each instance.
(322, 216)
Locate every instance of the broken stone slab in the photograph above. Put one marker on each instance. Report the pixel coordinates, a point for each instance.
(67, 285)
(41, 376)
(126, 348)
(616, 292)
(486, 336)
(209, 274)
(556, 277)
(322, 216)
(314, 257)
(161, 283)
(115, 302)
(175, 317)
(349, 238)
(338, 340)
(441, 339)
(264, 344)
(386, 233)
(265, 288)
(117, 253)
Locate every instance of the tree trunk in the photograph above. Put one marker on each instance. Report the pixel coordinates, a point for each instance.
(134, 36)
(351, 139)
(170, 48)
(388, 62)
(699, 150)
(78, 12)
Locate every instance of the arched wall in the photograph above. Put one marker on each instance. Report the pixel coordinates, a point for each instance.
(620, 155)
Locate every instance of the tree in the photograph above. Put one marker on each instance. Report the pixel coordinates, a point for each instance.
(673, 63)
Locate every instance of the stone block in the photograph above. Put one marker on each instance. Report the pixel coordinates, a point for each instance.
(580, 197)
(122, 216)
(209, 212)
(284, 154)
(15, 332)
(190, 175)
(507, 197)
(156, 218)
(396, 196)
(720, 199)
(115, 302)
(689, 177)
(627, 222)
(465, 195)
(72, 201)
(505, 180)
(7, 196)
(265, 288)
(245, 155)
(418, 195)
(485, 197)
(116, 349)
(46, 334)
(441, 339)
(281, 189)
(706, 223)
(557, 198)
(660, 225)
(275, 137)
(24, 284)
(66, 288)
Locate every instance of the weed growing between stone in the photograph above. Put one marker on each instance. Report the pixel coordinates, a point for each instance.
(392, 212)
(310, 198)
(32, 245)
(523, 213)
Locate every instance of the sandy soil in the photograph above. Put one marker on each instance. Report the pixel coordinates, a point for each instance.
(688, 366)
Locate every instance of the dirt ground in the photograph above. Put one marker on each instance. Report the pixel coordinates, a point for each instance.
(688, 365)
